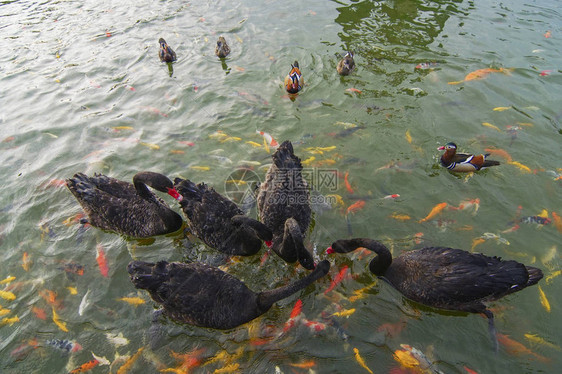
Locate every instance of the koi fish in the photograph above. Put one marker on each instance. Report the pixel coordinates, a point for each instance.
(547, 34)
(308, 161)
(535, 219)
(23, 349)
(8, 279)
(297, 310)
(400, 217)
(230, 368)
(7, 295)
(72, 290)
(520, 166)
(356, 206)
(268, 138)
(535, 339)
(491, 235)
(337, 279)
(481, 74)
(427, 65)
(320, 150)
(150, 145)
(408, 137)
(118, 340)
(515, 348)
(346, 125)
(154, 110)
(129, 363)
(4, 311)
(102, 261)
(549, 257)
(557, 221)
(501, 108)
(50, 297)
(177, 152)
(476, 241)
(187, 361)
(230, 139)
(347, 184)
(39, 312)
(499, 153)
(185, 142)
(136, 301)
(200, 168)
(61, 325)
(469, 370)
(487, 124)
(253, 144)
(304, 365)
(360, 293)
(344, 313)
(361, 361)
(9, 321)
(435, 211)
(468, 204)
(85, 367)
(548, 279)
(351, 89)
(26, 261)
(65, 345)
(544, 301)
(84, 303)
(314, 326)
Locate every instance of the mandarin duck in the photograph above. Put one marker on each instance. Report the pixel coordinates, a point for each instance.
(294, 81)
(346, 65)
(463, 162)
(203, 295)
(446, 278)
(166, 53)
(125, 208)
(222, 49)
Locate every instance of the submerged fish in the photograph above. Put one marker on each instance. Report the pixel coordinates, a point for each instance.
(435, 211)
(482, 73)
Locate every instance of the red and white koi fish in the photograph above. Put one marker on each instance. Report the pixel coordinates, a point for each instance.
(295, 313)
(268, 138)
(473, 204)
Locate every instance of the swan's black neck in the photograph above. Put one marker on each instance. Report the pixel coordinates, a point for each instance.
(379, 264)
(155, 180)
(267, 298)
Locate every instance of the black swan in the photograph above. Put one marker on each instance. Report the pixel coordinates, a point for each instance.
(446, 278)
(206, 296)
(218, 221)
(125, 208)
(284, 206)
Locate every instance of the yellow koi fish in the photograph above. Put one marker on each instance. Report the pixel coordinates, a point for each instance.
(435, 211)
(228, 368)
(526, 124)
(26, 261)
(72, 290)
(320, 149)
(476, 241)
(520, 166)
(361, 361)
(535, 339)
(346, 125)
(501, 108)
(253, 144)
(544, 300)
(61, 325)
(230, 139)
(308, 161)
(408, 137)
(8, 279)
(360, 293)
(200, 168)
(9, 321)
(548, 279)
(136, 301)
(118, 128)
(7, 295)
(4, 311)
(219, 134)
(543, 213)
(487, 124)
(400, 217)
(344, 313)
(150, 145)
(129, 363)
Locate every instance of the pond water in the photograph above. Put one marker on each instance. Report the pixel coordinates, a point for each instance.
(83, 90)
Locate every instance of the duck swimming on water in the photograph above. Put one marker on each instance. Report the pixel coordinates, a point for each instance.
(346, 64)
(463, 162)
(218, 221)
(206, 296)
(222, 49)
(446, 278)
(294, 80)
(125, 208)
(284, 206)
(166, 53)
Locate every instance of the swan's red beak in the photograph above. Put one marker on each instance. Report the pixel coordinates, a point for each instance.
(269, 243)
(175, 194)
(330, 250)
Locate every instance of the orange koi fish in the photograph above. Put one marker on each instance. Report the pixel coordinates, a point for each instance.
(499, 153)
(481, 74)
(353, 90)
(347, 184)
(26, 261)
(268, 138)
(361, 361)
(297, 310)
(85, 367)
(102, 262)
(51, 298)
(356, 206)
(477, 241)
(129, 363)
(136, 301)
(557, 221)
(515, 348)
(435, 211)
(304, 365)
(469, 370)
(337, 279)
(187, 361)
(400, 217)
(39, 313)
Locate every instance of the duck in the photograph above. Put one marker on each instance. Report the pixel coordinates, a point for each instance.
(446, 278)
(346, 64)
(283, 205)
(218, 221)
(294, 80)
(463, 162)
(166, 53)
(222, 49)
(202, 295)
(128, 209)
